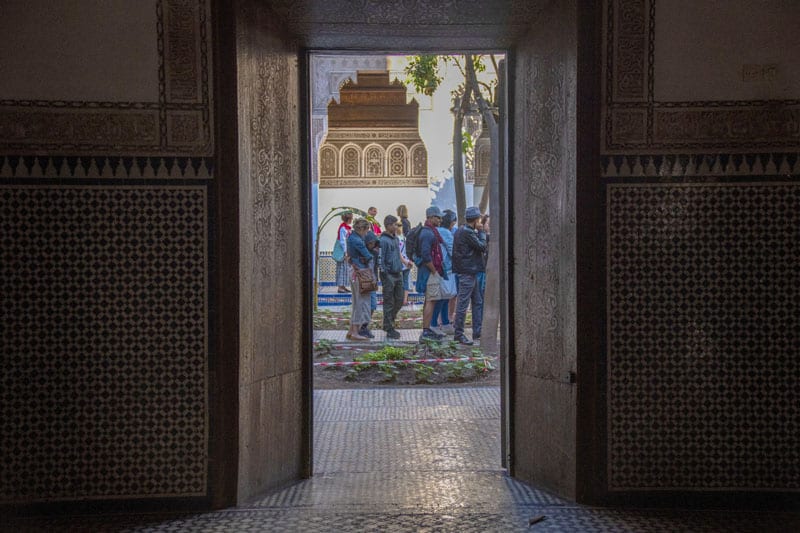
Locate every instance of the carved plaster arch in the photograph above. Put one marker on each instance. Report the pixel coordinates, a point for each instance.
(350, 161)
(419, 160)
(328, 161)
(371, 166)
(397, 165)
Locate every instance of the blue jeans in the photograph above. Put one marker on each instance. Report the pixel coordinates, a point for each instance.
(440, 310)
(422, 279)
(373, 300)
(469, 292)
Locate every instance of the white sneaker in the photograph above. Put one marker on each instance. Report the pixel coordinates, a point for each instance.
(448, 329)
(437, 330)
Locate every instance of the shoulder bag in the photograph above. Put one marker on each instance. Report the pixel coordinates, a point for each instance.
(366, 280)
(338, 251)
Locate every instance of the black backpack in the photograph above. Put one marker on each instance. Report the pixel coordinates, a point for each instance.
(413, 251)
(412, 242)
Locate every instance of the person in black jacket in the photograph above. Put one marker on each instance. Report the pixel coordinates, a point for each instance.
(469, 251)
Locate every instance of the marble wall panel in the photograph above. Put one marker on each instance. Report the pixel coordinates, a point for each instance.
(694, 77)
(696, 58)
(107, 79)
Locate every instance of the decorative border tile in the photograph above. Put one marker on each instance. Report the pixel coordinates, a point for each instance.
(101, 166)
(180, 123)
(338, 183)
(678, 165)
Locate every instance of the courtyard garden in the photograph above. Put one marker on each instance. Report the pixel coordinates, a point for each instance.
(420, 363)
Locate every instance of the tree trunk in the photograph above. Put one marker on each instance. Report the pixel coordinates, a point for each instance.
(491, 305)
(458, 161)
(485, 194)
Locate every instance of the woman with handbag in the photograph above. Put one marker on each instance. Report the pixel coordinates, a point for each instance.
(361, 260)
(340, 253)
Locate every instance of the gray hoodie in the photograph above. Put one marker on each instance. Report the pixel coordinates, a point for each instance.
(390, 254)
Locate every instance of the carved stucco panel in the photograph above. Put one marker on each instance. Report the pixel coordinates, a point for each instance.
(544, 253)
(275, 190)
(542, 210)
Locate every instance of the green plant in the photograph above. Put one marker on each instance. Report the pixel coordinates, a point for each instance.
(423, 72)
(389, 372)
(387, 353)
(485, 365)
(324, 347)
(424, 372)
(430, 345)
(393, 353)
(367, 357)
(450, 349)
(482, 363)
(455, 369)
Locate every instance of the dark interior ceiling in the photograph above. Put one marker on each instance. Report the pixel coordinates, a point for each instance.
(407, 24)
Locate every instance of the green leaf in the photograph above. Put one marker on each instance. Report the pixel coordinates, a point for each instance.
(423, 72)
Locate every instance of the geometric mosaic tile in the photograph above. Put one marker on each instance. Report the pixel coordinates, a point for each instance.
(704, 336)
(103, 392)
(557, 520)
(296, 521)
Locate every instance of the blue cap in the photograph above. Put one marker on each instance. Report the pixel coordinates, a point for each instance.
(370, 237)
(472, 213)
(449, 217)
(433, 211)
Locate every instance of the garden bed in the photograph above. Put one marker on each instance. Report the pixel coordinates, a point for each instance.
(426, 363)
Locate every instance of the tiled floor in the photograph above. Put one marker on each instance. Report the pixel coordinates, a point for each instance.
(406, 335)
(417, 460)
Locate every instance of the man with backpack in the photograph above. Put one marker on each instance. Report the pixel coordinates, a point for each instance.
(427, 254)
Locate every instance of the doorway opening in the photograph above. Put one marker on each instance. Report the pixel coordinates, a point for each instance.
(382, 131)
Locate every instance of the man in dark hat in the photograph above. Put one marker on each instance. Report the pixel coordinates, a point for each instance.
(469, 250)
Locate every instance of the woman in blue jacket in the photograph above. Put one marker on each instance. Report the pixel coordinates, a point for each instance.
(360, 258)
